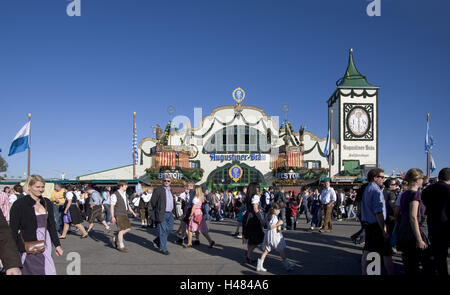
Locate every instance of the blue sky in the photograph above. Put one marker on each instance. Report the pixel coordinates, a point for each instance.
(82, 77)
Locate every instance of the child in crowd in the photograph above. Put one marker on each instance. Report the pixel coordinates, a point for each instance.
(240, 216)
(273, 239)
(294, 206)
(287, 211)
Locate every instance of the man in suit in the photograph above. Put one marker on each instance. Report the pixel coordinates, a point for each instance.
(163, 204)
(9, 255)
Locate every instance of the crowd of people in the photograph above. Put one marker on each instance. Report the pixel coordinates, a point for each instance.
(410, 217)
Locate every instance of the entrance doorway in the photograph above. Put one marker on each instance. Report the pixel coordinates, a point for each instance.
(219, 179)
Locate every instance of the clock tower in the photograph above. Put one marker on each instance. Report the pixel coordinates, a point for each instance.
(354, 122)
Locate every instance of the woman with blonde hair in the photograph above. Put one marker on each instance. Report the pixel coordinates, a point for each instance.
(32, 221)
(196, 221)
(412, 233)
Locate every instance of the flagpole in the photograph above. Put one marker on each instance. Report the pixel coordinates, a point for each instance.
(329, 157)
(428, 151)
(29, 147)
(134, 150)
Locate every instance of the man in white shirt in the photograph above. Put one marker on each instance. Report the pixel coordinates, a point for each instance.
(18, 194)
(147, 196)
(327, 198)
(119, 213)
(77, 193)
(185, 194)
(12, 198)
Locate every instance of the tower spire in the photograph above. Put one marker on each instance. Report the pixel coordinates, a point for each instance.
(353, 78)
(351, 68)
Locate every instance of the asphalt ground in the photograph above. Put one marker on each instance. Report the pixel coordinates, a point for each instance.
(312, 253)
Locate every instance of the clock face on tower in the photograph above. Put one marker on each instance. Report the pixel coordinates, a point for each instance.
(358, 121)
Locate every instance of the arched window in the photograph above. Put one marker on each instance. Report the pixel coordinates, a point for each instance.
(237, 139)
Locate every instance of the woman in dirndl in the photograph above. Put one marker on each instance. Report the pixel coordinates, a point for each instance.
(72, 214)
(253, 222)
(196, 221)
(32, 220)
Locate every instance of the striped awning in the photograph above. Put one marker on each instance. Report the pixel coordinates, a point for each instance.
(294, 159)
(289, 159)
(167, 159)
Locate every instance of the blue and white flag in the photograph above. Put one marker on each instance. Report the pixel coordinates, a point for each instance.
(327, 149)
(428, 138)
(432, 164)
(135, 147)
(20, 142)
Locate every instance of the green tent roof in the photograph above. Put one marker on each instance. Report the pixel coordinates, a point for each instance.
(353, 78)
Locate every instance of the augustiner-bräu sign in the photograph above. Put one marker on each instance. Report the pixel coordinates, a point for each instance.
(237, 157)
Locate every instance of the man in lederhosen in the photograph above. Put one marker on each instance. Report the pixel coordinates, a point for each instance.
(119, 213)
(95, 203)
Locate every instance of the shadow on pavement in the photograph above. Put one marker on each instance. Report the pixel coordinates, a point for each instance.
(101, 237)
